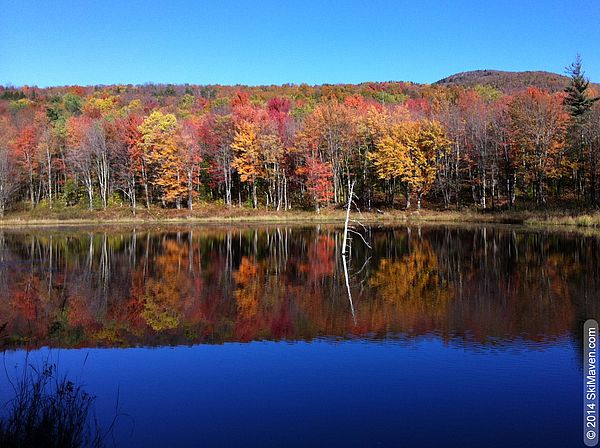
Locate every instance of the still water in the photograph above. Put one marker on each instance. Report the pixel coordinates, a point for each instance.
(257, 336)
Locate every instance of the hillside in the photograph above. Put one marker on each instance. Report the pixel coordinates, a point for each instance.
(390, 92)
(507, 82)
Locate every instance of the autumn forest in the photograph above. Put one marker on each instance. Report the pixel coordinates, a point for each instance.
(402, 145)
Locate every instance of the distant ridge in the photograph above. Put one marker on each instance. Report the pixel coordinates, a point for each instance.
(504, 81)
(507, 82)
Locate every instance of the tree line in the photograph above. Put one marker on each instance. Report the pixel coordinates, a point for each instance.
(283, 147)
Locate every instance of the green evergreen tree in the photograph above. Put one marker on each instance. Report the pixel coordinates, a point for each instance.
(579, 105)
(577, 100)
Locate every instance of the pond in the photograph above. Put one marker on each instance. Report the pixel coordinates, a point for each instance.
(265, 336)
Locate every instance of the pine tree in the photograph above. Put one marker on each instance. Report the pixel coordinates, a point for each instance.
(579, 104)
(577, 100)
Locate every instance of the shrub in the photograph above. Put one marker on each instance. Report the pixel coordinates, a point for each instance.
(49, 411)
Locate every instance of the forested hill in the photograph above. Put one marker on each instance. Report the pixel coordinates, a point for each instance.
(507, 82)
(391, 92)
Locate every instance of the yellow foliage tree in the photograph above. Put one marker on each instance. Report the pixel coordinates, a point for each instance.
(408, 152)
(97, 106)
(161, 155)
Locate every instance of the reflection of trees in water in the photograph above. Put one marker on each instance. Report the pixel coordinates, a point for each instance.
(187, 285)
(411, 289)
(509, 283)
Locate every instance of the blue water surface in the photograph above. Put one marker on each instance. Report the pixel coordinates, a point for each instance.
(357, 393)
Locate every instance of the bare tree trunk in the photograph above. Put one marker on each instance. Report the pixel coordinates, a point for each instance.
(285, 194)
(254, 198)
(90, 189)
(190, 189)
(145, 182)
(483, 189)
(133, 196)
(49, 167)
(100, 152)
(31, 192)
(350, 193)
(227, 179)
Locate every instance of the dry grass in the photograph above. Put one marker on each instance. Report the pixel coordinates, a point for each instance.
(579, 220)
(210, 213)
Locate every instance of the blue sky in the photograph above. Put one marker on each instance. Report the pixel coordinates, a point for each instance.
(59, 42)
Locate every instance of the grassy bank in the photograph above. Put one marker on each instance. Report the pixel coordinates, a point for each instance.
(221, 214)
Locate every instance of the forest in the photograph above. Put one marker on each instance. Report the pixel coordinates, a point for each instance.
(399, 144)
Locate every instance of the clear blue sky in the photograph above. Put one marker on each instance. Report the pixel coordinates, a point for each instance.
(58, 42)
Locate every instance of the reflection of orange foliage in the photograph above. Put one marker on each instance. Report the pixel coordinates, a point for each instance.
(166, 292)
(262, 304)
(210, 287)
(410, 290)
(246, 294)
(160, 305)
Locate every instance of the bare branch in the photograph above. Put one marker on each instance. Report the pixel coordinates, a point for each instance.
(362, 237)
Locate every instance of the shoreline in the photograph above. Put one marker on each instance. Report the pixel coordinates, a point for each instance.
(222, 215)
